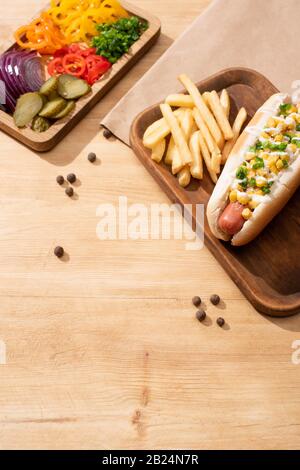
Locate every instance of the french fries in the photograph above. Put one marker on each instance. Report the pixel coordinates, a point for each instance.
(225, 102)
(178, 135)
(186, 121)
(180, 101)
(177, 164)
(205, 96)
(153, 138)
(185, 124)
(197, 164)
(158, 151)
(170, 152)
(206, 158)
(196, 134)
(237, 126)
(216, 160)
(211, 144)
(204, 111)
(184, 176)
(220, 115)
(158, 131)
(213, 147)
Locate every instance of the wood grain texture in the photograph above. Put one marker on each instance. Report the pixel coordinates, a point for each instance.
(45, 141)
(278, 291)
(103, 351)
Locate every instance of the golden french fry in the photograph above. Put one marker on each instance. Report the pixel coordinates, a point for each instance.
(177, 133)
(171, 152)
(195, 128)
(220, 115)
(237, 126)
(157, 131)
(180, 100)
(154, 127)
(196, 167)
(205, 96)
(151, 139)
(186, 122)
(225, 102)
(206, 158)
(212, 146)
(184, 176)
(158, 151)
(216, 159)
(176, 161)
(203, 109)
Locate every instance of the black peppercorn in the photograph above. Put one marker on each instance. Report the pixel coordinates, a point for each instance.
(69, 192)
(107, 134)
(60, 180)
(200, 315)
(221, 322)
(196, 301)
(59, 251)
(215, 299)
(92, 157)
(71, 178)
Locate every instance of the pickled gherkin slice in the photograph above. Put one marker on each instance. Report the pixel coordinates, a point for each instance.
(67, 110)
(28, 106)
(53, 107)
(53, 95)
(49, 86)
(71, 88)
(44, 98)
(40, 124)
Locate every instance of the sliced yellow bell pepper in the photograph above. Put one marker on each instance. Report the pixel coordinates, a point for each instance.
(77, 19)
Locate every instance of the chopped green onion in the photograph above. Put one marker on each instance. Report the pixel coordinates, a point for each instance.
(284, 108)
(241, 172)
(279, 147)
(259, 163)
(285, 163)
(296, 142)
(244, 183)
(266, 190)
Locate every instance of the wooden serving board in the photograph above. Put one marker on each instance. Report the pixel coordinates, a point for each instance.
(267, 270)
(43, 142)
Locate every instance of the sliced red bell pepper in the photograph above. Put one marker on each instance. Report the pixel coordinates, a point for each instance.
(61, 52)
(74, 64)
(80, 62)
(88, 52)
(56, 67)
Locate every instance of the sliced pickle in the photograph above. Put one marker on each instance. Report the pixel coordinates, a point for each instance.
(49, 86)
(28, 106)
(53, 107)
(71, 88)
(44, 98)
(67, 110)
(40, 124)
(53, 96)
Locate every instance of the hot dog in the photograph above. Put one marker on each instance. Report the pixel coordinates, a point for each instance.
(261, 174)
(231, 220)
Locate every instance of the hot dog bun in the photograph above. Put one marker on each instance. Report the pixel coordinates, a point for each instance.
(282, 190)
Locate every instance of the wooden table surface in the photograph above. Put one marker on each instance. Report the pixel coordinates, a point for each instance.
(103, 350)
